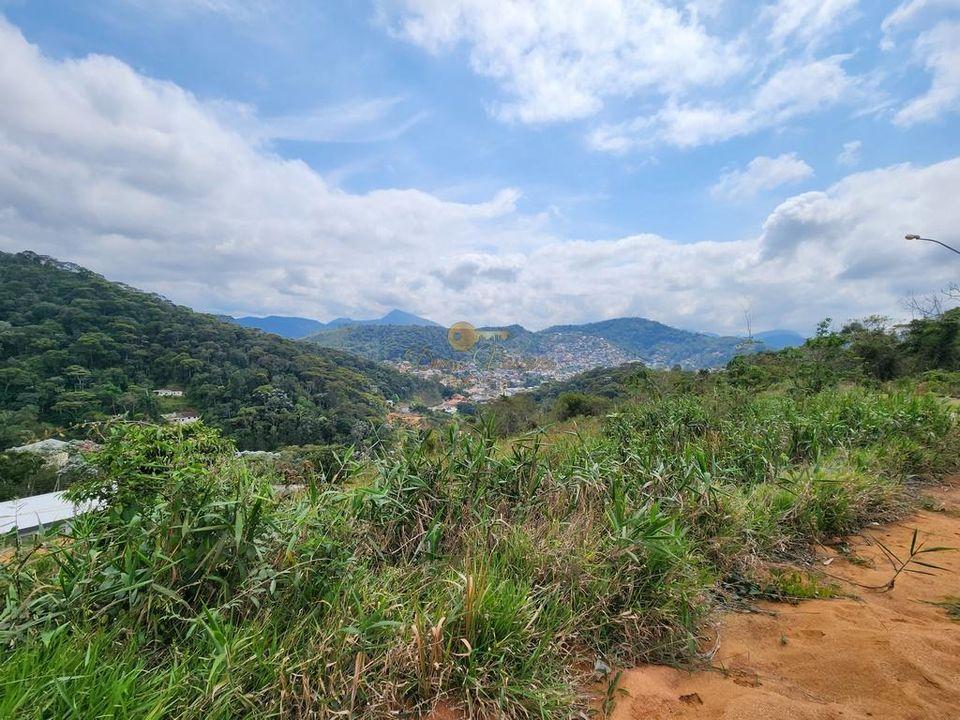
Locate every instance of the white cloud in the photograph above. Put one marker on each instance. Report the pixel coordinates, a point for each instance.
(906, 13)
(360, 121)
(793, 91)
(938, 50)
(761, 173)
(684, 81)
(850, 155)
(560, 60)
(144, 182)
(809, 21)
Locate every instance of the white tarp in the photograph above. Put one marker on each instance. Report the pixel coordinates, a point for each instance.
(28, 514)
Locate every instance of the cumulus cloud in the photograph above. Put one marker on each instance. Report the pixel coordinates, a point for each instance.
(562, 60)
(939, 52)
(761, 173)
(667, 64)
(146, 183)
(850, 154)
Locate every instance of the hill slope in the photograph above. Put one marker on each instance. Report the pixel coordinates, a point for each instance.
(76, 347)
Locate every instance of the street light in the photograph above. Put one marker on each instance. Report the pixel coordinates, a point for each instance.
(917, 237)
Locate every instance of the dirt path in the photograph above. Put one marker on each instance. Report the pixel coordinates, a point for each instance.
(879, 655)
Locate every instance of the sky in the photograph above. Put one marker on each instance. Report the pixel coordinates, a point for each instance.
(695, 162)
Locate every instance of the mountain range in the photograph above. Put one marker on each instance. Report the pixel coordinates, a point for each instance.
(300, 327)
(400, 335)
(609, 342)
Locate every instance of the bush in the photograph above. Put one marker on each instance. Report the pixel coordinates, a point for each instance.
(574, 404)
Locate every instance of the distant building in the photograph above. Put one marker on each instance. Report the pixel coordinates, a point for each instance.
(168, 392)
(181, 418)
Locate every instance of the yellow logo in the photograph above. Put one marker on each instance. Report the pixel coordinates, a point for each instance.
(463, 336)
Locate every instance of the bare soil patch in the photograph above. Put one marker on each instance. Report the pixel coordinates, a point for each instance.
(891, 654)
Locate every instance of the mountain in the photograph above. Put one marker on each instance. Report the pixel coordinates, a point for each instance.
(609, 342)
(398, 317)
(75, 347)
(779, 339)
(657, 344)
(284, 326)
(300, 327)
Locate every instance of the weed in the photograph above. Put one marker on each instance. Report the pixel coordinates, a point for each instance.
(789, 585)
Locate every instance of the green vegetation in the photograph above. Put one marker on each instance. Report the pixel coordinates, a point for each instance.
(76, 348)
(870, 351)
(448, 567)
(415, 344)
(790, 585)
(25, 474)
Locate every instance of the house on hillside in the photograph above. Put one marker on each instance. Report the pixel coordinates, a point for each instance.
(184, 417)
(168, 392)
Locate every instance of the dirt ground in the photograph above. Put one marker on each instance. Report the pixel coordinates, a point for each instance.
(874, 655)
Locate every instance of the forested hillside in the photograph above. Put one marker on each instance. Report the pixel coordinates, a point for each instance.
(75, 347)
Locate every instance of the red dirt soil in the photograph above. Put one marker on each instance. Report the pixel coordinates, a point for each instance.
(876, 655)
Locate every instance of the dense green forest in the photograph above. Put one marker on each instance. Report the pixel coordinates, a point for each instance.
(75, 347)
(416, 344)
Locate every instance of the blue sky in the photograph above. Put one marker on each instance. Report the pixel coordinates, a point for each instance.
(526, 161)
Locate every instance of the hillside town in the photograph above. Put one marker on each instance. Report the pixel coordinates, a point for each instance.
(489, 375)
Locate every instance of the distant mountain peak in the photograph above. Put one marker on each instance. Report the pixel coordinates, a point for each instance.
(401, 317)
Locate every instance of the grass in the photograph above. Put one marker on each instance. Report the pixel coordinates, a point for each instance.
(451, 568)
(789, 585)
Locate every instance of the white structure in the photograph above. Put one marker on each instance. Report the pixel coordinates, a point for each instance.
(168, 392)
(30, 513)
(181, 418)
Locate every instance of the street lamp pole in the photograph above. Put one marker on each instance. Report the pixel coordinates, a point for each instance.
(917, 237)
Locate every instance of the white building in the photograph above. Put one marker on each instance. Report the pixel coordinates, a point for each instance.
(168, 392)
(181, 418)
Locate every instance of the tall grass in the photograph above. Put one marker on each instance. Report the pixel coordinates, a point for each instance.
(443, 569)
